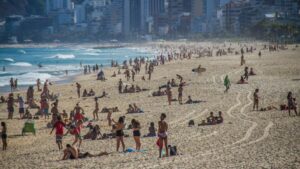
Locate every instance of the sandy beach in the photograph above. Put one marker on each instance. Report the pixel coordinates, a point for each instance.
(246, 138)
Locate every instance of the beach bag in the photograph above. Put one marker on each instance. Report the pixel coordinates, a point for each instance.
(173, 150)
(191, 123)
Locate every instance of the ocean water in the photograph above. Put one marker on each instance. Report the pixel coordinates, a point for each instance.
(22, 63)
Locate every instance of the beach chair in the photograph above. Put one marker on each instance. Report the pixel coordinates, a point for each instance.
(28, 128)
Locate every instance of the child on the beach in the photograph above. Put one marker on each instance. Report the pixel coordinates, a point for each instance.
(59, 131)
(4, 135)
(162, 134)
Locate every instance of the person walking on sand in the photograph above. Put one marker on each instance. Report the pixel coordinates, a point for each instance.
(242, 60)
(78, 86)
(256, 99)
(119, 132)
(4, 135)
(59, 132)
(291, 103)
(227, 83)
(109, 117)
(95, 112)
(162, 134)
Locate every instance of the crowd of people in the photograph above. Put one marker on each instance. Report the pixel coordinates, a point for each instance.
(75, 121)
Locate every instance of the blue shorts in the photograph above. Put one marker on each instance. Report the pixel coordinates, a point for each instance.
(45, 111)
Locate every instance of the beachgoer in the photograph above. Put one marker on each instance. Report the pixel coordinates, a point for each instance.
(169, 95)
(45, 107)
(227, 83)
(4, 135)
(70, 152)
(10, 106)
(246, 73)
(95, 112)
(12, 85)
(211, 118)
(119, 126)
(180, 90)
(120, 85)
(255, 99)
(21, 106)
(78, 86)
(291, 103)
(162, 134)
(109, 117)
(76, 131)
(219, 118)
(59, 131)
(78, 113)
(136, 133)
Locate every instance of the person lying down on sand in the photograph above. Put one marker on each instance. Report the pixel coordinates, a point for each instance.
(199, 69)
(159, 93)
(106, 110)
(190, 101)
(104, 94)
(268, 108)
(72, 153)
(88, 94)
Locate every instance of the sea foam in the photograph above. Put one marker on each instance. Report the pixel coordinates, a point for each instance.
(22, 64)
(63, 56)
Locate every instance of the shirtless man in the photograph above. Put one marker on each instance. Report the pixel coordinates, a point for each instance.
(256, 99)
(95, 113)
(162, 134)
(78, 113)
(78, 86)
(70, 152)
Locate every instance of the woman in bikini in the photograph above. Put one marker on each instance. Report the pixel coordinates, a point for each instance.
(162, 134)
(136, 133)
(119, 132)
(95, 113)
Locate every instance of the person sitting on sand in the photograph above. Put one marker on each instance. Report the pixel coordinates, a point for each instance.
(84, 94)
(91, 93)
(93, 133)
(130, 109)
(173, 83)
(72, 153)
(251, 72)
(137, 109)
(126, 89)
(219, 119)
(159, 93)
(114, 75)
(131, 89)
(211, 119)
(152, 130)
(27, 114)
(100, 75)
(162, 134)
(242, 81)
